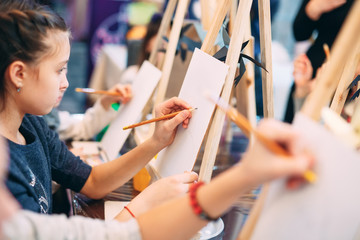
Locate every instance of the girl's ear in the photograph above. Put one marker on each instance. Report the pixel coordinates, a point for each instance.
(17, 72)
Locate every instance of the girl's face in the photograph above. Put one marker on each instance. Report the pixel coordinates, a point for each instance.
(47, 82)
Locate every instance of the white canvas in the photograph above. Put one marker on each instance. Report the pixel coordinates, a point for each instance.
(205, 73)
(329, 208)
(130, 113)
(113, 208)
(90, 148)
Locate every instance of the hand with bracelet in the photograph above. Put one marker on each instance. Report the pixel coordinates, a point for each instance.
(157, 193)
(181, 218)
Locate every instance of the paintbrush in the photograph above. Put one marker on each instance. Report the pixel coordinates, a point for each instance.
(167, 116)
(327, 51)
(93, 91)
(247, 129)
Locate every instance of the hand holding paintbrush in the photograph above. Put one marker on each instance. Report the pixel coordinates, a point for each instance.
(247, 129)
(164, 117)
(165, 131)
(327, 51)
(118, 93)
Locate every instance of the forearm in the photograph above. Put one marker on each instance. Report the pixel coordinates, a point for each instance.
(30, 225)
(214, 198)
(313, 11)
(106, 177)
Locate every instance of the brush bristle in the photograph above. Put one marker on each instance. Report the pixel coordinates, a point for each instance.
(217, 100)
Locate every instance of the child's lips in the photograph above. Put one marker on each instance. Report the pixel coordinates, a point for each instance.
(59, 98)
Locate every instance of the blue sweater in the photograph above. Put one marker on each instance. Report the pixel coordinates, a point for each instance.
(42, 159)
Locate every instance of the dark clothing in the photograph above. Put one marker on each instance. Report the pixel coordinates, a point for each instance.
(327, 28)
(42, 159)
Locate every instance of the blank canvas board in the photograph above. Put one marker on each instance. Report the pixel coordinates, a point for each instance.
(329, 208)
(87, 146)
(205, 73)
(130, 113)
(113, 208)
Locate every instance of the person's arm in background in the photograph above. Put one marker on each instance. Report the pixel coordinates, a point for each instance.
(315, 8)
(32, 226)
(95, 118)
(176, 218)
(309, 13)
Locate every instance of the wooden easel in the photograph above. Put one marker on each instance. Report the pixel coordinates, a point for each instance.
(241, 22)
(329, 80)
(355, 119)
(167, 63)
(171, 49)
(342, 90)
(347, 38)
(164, 26)
(245, 91)
(208, 9)
(161, 167)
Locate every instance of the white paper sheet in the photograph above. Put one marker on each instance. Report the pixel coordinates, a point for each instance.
(327, 209)
(88, 147)
(113, 208)
(204, 73)
(142, 88)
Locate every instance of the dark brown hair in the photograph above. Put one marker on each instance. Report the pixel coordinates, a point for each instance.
(7, 5)
(151, 31)
(22, 37)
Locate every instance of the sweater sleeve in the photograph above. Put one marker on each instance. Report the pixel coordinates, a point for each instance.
(95, 119)
(303, 26)
(29, 225)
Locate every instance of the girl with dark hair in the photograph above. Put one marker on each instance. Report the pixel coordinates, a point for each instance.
(35, 48)
(146, 46)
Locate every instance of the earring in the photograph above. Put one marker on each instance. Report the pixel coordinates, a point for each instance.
(18, 90)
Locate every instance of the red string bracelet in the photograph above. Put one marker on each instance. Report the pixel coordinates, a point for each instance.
(129, 211)
(195, 204)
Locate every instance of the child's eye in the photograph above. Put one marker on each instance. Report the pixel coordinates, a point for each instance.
(62, 69)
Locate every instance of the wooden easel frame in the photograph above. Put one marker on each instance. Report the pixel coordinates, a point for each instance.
(208, 12)
(342, 90)
(166, 65)
(171, 49)
(207, 47)
(343, 45)
(329, 80)
(245, 91)
(238, 35)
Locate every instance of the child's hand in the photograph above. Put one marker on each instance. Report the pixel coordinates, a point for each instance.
(165, 130)
(262, 165)
(302, 73)
(159, 192)
(125, 97)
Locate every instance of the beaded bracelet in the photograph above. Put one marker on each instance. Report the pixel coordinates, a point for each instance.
(195, 204)
(129, 211)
